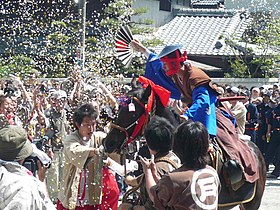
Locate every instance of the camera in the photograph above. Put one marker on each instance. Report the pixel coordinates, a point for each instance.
(31, 162)
(42, 144)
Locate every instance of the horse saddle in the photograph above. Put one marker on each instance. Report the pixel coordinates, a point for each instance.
(230, 169)
(244, 194)
(234, 187)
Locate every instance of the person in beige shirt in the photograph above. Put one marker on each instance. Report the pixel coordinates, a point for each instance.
(84, 177)
(238, 110)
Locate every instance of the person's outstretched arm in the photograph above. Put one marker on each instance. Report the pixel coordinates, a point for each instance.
(137, 45)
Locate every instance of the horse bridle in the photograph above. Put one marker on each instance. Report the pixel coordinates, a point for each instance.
(139, 124)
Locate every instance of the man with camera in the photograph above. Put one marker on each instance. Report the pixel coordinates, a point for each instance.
(19, 188)
(56, 132)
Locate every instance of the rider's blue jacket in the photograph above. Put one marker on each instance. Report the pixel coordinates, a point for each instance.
(155, 73)
(203, 108)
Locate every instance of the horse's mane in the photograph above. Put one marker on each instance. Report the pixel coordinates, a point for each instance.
(176, 115)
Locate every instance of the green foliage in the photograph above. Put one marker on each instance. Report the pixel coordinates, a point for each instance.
(140, 11)
(261, 52)
(101, 58)
(240, 70)
(41, 36)
(18, 65)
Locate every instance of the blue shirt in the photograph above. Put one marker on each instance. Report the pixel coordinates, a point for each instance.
(203, 108)
(155, 73)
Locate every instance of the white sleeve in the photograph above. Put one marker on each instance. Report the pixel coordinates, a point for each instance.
(147, 53)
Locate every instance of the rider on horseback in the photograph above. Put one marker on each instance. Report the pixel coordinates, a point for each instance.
(192, 82)
(201, 96)
(197, 89)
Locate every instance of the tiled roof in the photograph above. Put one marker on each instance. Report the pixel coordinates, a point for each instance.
(201, 31)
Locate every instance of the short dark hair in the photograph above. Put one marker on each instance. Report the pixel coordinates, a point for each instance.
(85, 110)
(191, 143)
(159, 134)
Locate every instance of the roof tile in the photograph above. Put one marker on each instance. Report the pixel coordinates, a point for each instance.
(198, 31)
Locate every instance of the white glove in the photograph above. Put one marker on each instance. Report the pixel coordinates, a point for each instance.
(100, 150)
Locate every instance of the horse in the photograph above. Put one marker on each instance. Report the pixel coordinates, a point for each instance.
(131, 122)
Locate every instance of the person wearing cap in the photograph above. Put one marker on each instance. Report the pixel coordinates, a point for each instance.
(238, 110)
(194, 84)
(19, 188)
(155, 72)
(255, 93)
(59, 127)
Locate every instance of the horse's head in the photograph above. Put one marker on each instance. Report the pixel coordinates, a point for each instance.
(131, 115)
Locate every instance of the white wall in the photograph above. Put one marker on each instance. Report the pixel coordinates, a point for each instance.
(248, 82)
(159, 17)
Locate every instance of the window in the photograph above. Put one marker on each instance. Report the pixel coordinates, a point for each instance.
(165, 5)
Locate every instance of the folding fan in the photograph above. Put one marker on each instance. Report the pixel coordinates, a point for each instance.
(124, 50)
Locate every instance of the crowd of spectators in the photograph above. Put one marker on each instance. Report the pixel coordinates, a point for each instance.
(258, 116)
(45, 110)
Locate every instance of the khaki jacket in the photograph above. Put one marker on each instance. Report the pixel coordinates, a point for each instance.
(76, 156)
